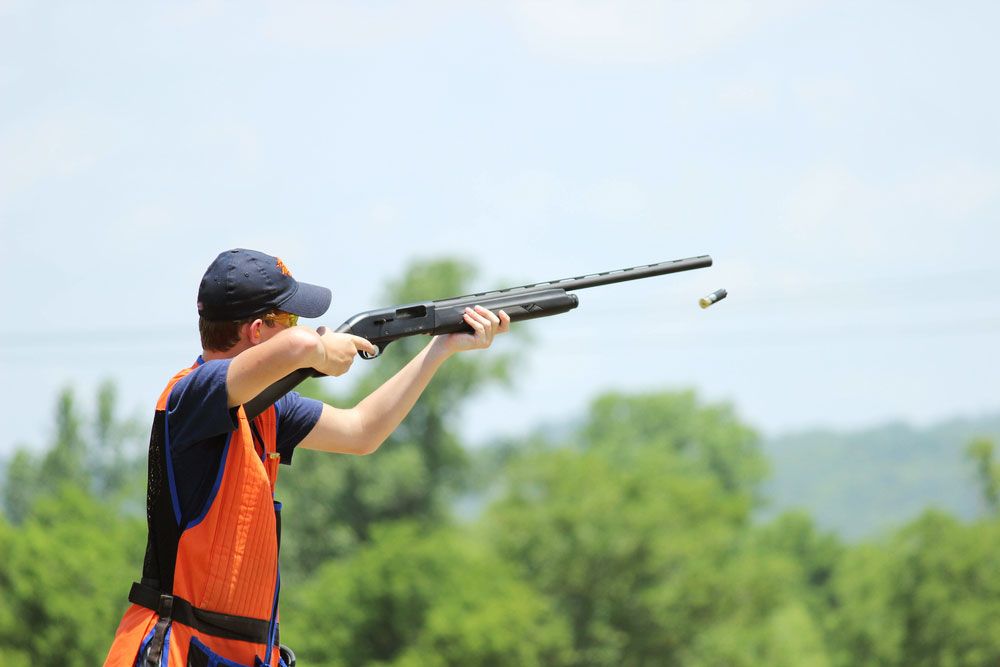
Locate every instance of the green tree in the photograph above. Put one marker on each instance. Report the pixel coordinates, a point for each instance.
(74, 537)
(779, 579)
(65, 576)
(65, 462)
(334, 501)
(981, 452)
(866, 625)
(638, 532)
(62, 463)
(429, 599)
(709, 437)
(926, 596)
(20, 486)
(815, 555)
(629, 555)
(117, 451)
(786, 635)
(103, 454)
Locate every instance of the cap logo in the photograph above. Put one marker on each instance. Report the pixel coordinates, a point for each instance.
(282, 267)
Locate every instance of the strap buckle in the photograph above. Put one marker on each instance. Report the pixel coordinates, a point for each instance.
(166, 606)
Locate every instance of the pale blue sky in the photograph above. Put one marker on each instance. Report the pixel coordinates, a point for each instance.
(839, 160)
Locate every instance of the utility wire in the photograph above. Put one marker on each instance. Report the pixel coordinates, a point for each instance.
(874, 293)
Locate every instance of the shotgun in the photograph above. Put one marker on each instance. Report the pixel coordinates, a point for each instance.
(444, 316)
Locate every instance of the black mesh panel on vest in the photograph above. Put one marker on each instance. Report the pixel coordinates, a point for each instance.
(164, 533)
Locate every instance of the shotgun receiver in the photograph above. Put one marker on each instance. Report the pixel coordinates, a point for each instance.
(445, 316)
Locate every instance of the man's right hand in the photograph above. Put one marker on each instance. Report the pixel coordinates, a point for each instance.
(340, 350)
(255, 369)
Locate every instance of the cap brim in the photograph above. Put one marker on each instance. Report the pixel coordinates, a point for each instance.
(308, 301)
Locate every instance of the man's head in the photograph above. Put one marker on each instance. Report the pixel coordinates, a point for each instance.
(242, 287)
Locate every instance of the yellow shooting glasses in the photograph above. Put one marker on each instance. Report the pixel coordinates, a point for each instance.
(287, 319)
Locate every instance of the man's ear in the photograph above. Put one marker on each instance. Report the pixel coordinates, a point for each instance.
(253, 331)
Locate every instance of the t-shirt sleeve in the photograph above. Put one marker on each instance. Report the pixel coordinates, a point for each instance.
(296, 417)
(198, 406)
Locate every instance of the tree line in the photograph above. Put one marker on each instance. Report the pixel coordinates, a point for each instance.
(630, 539)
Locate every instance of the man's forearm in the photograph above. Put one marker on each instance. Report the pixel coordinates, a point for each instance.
(363, 428)
(254, 369)
(383, 410)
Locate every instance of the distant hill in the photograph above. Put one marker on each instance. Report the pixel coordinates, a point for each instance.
(860, 483)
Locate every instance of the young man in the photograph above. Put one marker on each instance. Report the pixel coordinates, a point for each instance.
(209, 589)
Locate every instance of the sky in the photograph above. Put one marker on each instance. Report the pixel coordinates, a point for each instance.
(840, 161)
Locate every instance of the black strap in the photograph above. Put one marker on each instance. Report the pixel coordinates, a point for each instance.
(154, 651)
(258, 439)
(225, 626)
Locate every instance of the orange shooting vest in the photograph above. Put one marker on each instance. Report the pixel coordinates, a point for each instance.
(210, 582)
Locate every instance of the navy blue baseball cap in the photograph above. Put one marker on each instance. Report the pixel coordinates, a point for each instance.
(241, 283)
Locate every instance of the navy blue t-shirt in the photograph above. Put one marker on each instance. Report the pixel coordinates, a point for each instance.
(199, 422)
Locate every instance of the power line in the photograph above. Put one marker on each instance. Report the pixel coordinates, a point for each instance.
(717, 339)
(881, 293)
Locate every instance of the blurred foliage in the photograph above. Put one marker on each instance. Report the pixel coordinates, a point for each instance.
(927, 595)
(982, 453)
(635, 532)
(334, 502)
(708, 437)
(412, 597)
(66, 572)
(104, 455)
(71, 537)
(632, 537)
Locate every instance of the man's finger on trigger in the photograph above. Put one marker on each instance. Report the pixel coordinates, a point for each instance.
(364, 345)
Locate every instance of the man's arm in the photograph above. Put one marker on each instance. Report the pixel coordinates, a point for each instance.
(256, 368)
(362, 429)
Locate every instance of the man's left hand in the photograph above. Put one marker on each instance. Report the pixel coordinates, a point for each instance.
(485, 326)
